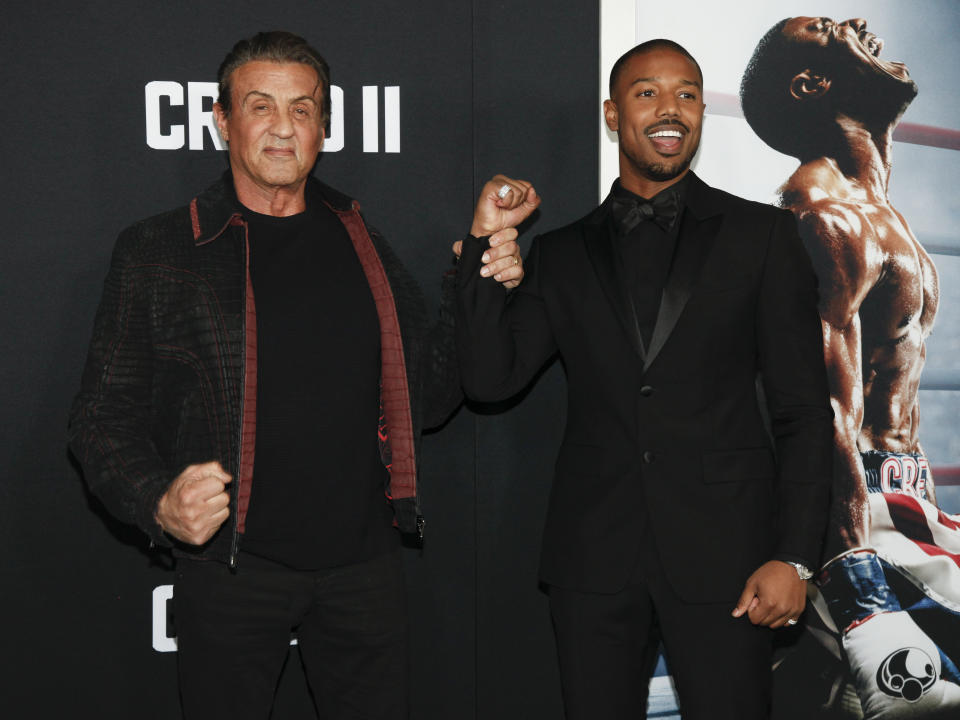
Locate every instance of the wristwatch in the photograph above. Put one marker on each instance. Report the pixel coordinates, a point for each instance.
(803, 571)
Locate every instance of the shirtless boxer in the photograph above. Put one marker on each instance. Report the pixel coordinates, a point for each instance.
(818, 90)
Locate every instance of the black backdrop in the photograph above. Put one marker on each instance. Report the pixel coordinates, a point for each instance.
(484, 87)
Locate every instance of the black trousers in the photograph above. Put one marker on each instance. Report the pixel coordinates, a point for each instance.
(607, 646)
(234, 630)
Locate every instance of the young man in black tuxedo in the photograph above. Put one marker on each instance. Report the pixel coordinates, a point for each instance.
(676, 514)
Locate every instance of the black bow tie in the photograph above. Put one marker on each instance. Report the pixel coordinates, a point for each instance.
(628, 212)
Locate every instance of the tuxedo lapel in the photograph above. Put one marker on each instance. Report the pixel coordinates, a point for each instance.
(699, 227)
(599, 243)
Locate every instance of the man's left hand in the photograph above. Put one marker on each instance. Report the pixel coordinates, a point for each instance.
(504, 203)
(773, 595)
(502, 260)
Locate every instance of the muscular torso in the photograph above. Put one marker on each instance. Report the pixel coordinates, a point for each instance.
(876, 281)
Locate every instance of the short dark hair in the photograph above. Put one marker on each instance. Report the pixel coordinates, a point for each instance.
(280, 47)
(648, 46)
(779, 120)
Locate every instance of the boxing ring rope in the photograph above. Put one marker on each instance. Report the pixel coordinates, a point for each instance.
(929, 135)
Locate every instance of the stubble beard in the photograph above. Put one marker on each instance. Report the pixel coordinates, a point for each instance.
(663, 170)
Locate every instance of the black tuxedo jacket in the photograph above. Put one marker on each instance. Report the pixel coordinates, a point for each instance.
(672, 434)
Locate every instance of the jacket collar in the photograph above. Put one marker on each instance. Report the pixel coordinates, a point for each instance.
(694, 242)
(699, 227)
(217, 207)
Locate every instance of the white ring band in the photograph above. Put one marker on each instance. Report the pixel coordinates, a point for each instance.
(791, 621)
(503, 191)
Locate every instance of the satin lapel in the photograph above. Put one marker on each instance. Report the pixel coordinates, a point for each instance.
(699, 227)
(600, 249)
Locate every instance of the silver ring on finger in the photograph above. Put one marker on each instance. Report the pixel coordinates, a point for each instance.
(791, 621)
(503, 191)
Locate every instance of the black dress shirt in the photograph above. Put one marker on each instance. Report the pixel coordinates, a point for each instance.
(646, 255)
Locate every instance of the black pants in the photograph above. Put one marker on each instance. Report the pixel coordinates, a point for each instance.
(607, 645)
(234, 630)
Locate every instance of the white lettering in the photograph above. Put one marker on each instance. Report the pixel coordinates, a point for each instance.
(371, 119)
(200, 124)
(922, 478)
(911, 470)
(199, 119)
(391, 119)
(161, 641)
(890, 472)
(334, 141)
(153, 91)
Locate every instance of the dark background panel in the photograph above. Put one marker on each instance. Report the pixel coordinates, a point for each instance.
(537, 122)
(484, 88)
(534, 114)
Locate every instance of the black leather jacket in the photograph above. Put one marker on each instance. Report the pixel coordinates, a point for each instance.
(170, 378)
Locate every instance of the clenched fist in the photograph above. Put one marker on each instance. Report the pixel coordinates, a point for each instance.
(196, 504)
(503, 203)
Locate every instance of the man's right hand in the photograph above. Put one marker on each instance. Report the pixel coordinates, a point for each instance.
(196, 504)
(503, 203)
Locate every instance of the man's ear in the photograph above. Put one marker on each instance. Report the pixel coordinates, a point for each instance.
(611, 115)
(221, 121)
(808, 85)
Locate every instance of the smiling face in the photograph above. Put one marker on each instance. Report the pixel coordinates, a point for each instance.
(274, 128)
(657, 112)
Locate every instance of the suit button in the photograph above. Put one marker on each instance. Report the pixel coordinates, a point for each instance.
(646, 391)
(648, 456)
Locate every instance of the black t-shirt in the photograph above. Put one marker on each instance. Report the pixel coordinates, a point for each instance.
(318, 494)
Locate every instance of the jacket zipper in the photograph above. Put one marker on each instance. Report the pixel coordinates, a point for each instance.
(235, 532)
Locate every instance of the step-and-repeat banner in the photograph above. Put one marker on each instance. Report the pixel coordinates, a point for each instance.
(847, 113)
(109, 121)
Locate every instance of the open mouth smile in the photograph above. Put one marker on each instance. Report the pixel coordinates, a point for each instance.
(666, 140)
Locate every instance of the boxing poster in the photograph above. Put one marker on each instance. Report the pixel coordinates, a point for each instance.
(846, 113)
